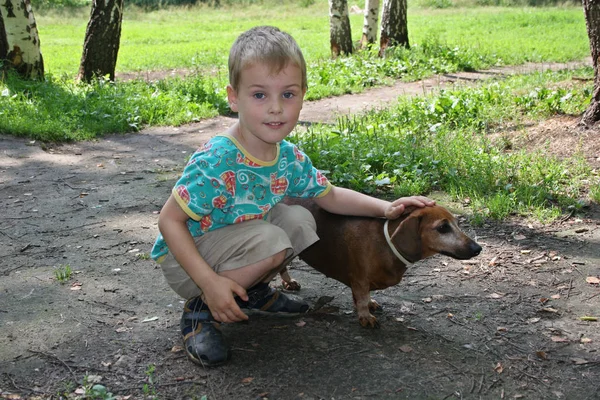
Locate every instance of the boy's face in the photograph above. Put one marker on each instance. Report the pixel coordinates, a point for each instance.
(268, 104)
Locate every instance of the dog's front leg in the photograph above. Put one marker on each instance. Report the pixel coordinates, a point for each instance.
(362, 301)
(288, 282)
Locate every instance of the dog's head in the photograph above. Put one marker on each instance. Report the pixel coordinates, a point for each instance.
(431, 230)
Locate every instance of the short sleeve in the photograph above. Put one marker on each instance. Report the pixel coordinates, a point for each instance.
(202, 184)
(307, 181)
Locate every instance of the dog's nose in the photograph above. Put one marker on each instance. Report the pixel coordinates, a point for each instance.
(475, 248)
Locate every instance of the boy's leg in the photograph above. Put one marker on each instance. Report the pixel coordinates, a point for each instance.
(229, 250)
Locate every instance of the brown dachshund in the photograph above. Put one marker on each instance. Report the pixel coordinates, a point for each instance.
(373, 253)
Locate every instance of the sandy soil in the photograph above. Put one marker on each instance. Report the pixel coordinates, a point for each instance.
(507, 324)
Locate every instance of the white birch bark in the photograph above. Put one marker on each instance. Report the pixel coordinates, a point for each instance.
(22, 37)
(369, 35)
(340, 36)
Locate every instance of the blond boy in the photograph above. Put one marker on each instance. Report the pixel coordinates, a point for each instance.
(224, 233)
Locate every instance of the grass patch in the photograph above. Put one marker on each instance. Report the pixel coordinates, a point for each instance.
(444, 142)
(508, 35)
(61, 110)
(443, 41)
(63, 273)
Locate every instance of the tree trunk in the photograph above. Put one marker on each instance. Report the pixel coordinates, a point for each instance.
(3, 41)
(591, 9)
(102, 39)
(369, 35)
(340, 35)
(21, 41)
(394, 28)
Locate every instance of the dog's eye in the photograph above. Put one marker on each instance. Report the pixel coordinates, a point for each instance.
(444, 228)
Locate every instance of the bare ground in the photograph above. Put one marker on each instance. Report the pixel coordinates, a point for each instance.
(504, 325)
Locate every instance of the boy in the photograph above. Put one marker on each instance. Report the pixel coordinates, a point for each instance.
(224, 231)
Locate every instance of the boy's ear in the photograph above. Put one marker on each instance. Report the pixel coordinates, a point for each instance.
(232, 98)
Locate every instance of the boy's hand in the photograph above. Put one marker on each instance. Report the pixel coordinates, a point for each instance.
(218, 295)
(399, 206)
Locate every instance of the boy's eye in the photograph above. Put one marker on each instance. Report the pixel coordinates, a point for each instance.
(259, 96)
(288, 95)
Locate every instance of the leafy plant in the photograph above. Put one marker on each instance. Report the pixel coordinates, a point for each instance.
(63, 273)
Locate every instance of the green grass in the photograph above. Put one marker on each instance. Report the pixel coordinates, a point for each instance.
(450, 141)
(200, 37)
(63, 273)
(446, 142)
(443, 41)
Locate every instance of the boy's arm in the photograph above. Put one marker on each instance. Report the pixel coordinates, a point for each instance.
(217, 290)
(349, 202)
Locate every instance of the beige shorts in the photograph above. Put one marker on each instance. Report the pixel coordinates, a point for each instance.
(290, 228)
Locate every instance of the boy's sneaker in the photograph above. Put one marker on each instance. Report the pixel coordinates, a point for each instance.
(203, 340)
(263, 299)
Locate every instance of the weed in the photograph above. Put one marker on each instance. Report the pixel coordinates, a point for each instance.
(63, 273)
(595, 192)
(441, 142)
(96, 391)
(143, 256)
(149, 389)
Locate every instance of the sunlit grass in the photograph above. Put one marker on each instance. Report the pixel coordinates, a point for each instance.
(200, 36)
(443, 142)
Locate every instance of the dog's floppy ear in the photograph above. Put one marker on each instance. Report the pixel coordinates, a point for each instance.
(407, 238)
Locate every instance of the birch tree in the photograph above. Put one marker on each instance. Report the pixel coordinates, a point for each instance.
(340, 35)
(3, 41)
(591, 9)
(102, 38)
(369, 35)
(21, 39)
(394, 27)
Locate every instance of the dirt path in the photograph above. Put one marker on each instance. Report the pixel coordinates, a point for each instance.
(505, 325)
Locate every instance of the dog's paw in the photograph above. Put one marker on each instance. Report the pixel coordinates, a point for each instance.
(368, 321)
(374, 306)
(292, 284)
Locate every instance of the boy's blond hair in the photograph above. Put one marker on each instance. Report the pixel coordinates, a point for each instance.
(267, 45)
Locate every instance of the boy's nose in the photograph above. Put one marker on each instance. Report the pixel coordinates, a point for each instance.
(275, 106)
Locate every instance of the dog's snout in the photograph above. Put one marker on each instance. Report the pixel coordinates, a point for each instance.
(475, 248)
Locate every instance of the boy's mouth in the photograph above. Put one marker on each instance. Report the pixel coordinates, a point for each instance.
(274, 124)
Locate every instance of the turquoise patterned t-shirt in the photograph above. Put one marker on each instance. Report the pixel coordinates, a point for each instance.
(222, 184)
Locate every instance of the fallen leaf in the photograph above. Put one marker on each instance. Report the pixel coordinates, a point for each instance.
(541, 354)
(502, 329)
(594, 280)
(579, 361)
(106, 363)
(533, 320)
(176, 349)
(150, 319)
(559, 339)
(550, 309)
(520, 237)
(406, 348)
(496, 295)
(555, 296)
(525, 251)
(585, 340)
(76, 286)
(499, 368)
(94, 379)
(122, 329)
(426, 300)
(588, 318)
(248, 379)
(301, 323)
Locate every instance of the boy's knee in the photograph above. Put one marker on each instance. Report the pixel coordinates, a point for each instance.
(277, 259)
